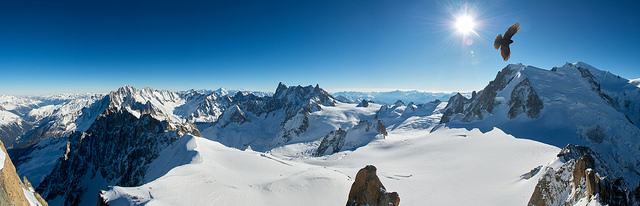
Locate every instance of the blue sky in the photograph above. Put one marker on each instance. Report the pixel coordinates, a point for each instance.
(51, 47)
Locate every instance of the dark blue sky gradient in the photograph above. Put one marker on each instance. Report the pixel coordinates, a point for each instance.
(50, 47)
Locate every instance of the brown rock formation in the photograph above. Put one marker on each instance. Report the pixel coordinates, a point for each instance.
(368, 190)
(11, 188)
(583, 175)
(593, 183)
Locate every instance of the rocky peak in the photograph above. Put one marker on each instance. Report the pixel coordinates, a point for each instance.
(455, 105)
(411, 106)
(524, 99)
(299, 94)
(280, 89)
(368, 190)
(398, 103)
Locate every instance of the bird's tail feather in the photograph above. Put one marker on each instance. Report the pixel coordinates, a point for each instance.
(496, 44)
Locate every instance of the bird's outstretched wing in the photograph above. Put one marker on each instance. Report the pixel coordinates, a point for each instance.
(496, 44)
(512, 30)
(505, 52)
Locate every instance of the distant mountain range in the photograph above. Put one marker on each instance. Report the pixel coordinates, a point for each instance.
(390, 97)
(568, 135)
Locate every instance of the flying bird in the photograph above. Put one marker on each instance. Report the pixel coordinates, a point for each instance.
(502, 43)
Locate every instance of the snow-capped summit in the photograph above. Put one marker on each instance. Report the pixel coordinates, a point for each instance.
(301, 142)
(298, 95)
(572, 104)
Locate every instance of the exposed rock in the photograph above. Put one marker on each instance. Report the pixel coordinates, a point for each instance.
(595, 86)
(117, 148)
(593, 183)
(553, 185)
(12, 190)
(581, 178)
(368, 190)
(361, 134)
(531, 173)
(456, 105)
(382, 129)
(524, 99)
(486, 97)
(364, 103)
(334, 140)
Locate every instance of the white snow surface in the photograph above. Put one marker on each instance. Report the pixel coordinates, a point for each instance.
(3, 157)
(446, 167)
(31, 198)
(7, 118)
(635, 82)
(409, 117)
(9, 102)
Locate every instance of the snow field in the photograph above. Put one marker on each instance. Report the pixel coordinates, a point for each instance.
(447, 167)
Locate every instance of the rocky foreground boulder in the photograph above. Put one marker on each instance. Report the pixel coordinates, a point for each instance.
(368, 190)
(12, 190)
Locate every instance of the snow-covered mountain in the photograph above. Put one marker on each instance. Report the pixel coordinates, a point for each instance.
(26, 120)
(230, 92)
(572, 104)
(131, 127)
(388, 98)
(523, 139)
(292, 115)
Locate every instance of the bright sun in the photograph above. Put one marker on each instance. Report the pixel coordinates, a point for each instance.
(465, 24)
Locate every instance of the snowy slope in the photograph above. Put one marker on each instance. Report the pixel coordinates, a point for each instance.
(7, 118)
(20, 105)
(635, 82)
(579, 105)
(409, 117)
(482, 169)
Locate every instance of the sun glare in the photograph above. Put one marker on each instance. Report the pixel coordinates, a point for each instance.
(465, 24)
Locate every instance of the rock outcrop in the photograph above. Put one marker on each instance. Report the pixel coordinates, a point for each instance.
(368, 190)
(12, 190)
(363, 103)
(524, 99)
(582, 177)
(339, 140)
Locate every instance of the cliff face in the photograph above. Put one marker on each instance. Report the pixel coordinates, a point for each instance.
(116, 149)
(583, 177)
(12, 190)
